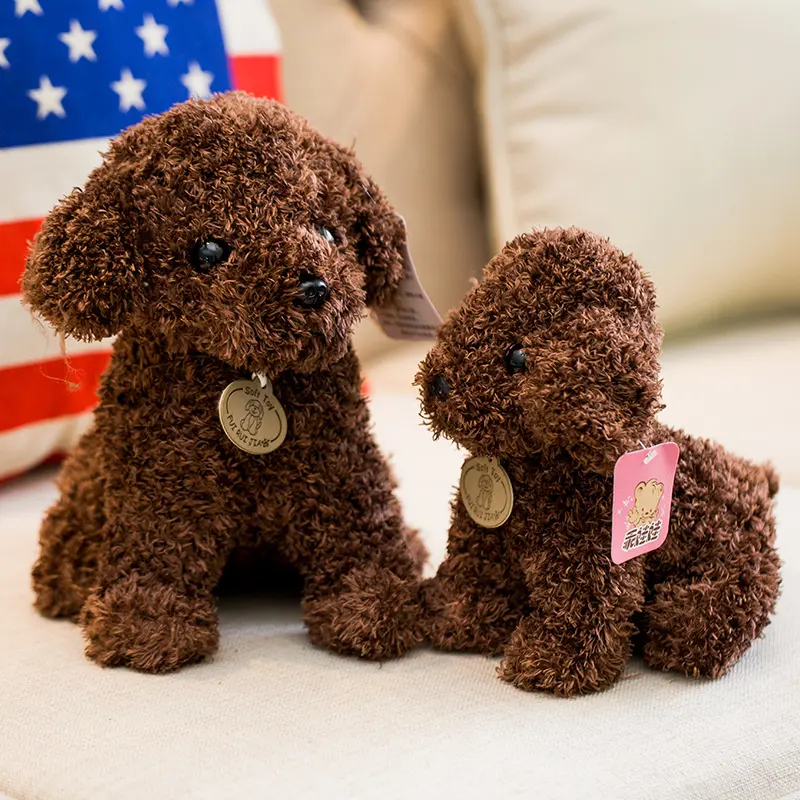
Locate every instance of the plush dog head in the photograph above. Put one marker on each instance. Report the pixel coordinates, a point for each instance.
(227, 226)
(555, 350)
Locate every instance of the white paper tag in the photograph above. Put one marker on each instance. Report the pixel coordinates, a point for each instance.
(410, 316)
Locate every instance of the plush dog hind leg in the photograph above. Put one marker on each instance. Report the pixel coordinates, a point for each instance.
(701, 627)
(717, 575)
(701, 623)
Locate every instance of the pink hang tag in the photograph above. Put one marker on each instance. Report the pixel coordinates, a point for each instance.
(409, 315)
(643, 482)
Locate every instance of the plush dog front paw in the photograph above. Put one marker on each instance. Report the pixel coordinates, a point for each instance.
(478, 621)
(535, 660)
(374, 615)
(152, 629)
(56, 593)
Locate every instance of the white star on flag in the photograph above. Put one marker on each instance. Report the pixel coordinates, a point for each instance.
(176, 3)
(3, 57)
(197, 81)
(129, 90)
(48, 98)
(79, 42)
(104, 5)
(21, 7)
(153, 35)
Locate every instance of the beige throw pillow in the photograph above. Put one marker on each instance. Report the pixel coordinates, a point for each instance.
(397, 86)
(671, 126)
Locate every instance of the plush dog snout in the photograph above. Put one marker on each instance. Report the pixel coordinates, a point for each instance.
(312, 292)
(439, 387)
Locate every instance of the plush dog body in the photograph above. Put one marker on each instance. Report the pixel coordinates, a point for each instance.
(551, 366)
(221, 239)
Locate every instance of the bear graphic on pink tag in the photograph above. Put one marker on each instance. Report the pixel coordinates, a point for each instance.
(643, 482)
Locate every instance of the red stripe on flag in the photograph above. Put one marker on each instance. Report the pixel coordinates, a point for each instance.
(258, 75)
(50, 389)
(14, 240)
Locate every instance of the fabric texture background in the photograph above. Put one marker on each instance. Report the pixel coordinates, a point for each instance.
(668, 126)
(270, 714)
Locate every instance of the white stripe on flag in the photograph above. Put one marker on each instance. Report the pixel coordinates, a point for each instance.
(23, 448)
(26, 339)
(248, 27)
(39, 175)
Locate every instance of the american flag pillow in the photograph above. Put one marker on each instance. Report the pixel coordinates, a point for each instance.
(72, 75)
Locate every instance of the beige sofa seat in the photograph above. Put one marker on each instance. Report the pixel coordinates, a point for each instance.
(272, 716)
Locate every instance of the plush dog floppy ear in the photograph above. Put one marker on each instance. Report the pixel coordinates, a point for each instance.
(620, 392)
(380, 242)
(596, 387)
(83, 274)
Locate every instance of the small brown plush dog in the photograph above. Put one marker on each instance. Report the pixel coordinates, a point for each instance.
(220, 239)
(551, 366)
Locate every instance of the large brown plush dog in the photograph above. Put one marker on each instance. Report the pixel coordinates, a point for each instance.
(551, 365)
(220, 239)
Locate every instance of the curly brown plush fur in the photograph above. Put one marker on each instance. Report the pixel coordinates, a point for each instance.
(542, 588)
(156, 498)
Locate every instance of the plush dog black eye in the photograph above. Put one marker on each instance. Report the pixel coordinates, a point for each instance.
(440, 387)
(326, 234)
(208, 254)
(313, 292)
(516, 360)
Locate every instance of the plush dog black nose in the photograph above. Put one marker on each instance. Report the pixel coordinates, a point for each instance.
(312, 292)
(439, 386)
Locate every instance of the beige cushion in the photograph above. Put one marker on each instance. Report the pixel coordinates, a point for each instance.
(271, 716)
(397, 87)
(669, 126)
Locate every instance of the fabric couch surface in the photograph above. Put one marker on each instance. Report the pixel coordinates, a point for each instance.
(271, 715)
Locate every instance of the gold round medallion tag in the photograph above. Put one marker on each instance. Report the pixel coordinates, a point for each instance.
(486, 491)
(252, 417)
